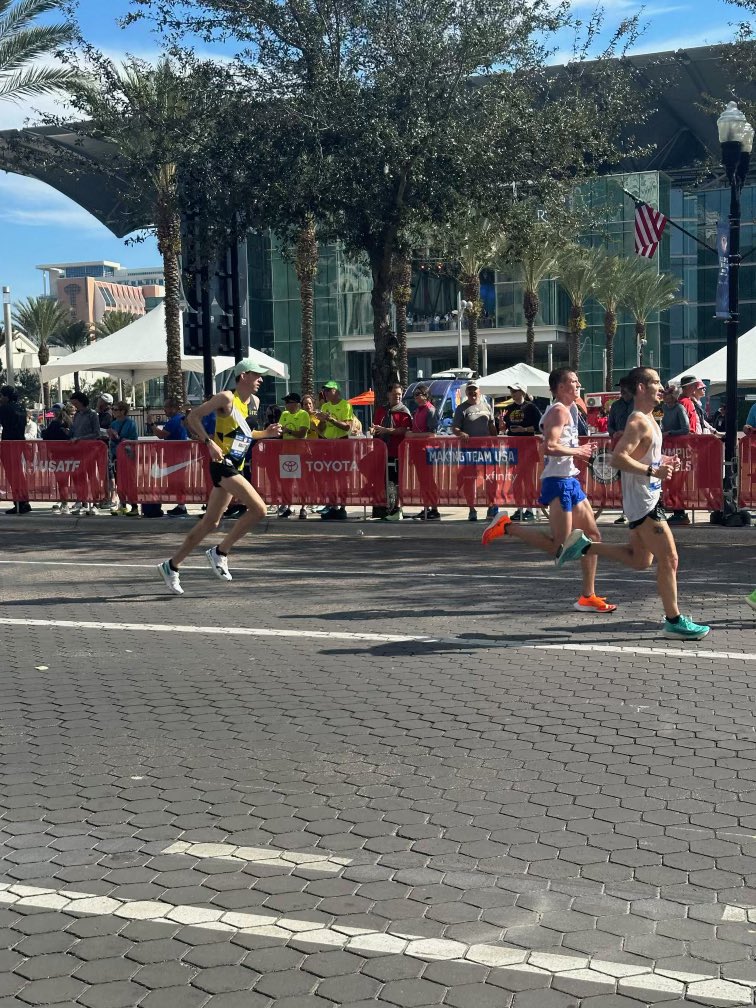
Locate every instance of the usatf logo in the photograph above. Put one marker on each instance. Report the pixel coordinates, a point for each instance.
(471, 456)
(289, 466)
(601, 471)
(35, 465)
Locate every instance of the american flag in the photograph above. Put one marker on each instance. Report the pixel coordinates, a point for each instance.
(649, 227)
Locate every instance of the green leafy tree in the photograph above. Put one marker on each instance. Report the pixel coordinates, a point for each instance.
(41, 319)
(27, 382)
(23, 43)
(113, 322)
(406, 117)
(648, 293)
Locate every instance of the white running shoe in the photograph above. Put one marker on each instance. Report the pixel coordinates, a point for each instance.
(171, 578)
(91, 510)
(55, 509)
(219, 564)
(77, 508)
(65, 509)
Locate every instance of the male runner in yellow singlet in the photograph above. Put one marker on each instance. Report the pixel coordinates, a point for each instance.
(228, 449)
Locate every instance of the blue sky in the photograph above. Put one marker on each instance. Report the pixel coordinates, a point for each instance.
(39, 225)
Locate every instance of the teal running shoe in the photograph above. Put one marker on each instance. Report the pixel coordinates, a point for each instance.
(685, 628)
(574, 547)
(751, 599)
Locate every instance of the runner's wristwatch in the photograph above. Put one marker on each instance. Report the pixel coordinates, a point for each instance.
(650, 471)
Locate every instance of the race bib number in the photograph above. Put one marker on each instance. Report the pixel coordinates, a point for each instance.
(239, 448)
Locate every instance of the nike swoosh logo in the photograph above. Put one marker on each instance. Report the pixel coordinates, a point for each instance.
(158, 471)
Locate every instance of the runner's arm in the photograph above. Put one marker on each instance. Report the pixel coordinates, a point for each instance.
(628, 444)
(552, 431)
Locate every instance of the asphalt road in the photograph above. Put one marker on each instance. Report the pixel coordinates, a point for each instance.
(378, 768)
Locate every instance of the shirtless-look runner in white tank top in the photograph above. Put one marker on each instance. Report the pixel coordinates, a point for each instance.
(561, 492)
(644, 469)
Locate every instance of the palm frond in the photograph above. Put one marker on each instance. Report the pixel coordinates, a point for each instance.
(29, 83)
(14, 19)
(18, 50)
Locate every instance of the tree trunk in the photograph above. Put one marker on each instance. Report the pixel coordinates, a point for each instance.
(385, 369)
(43, 355)
(401, 289)
(168, 228)
(576, 328)
(77, 383)
(306, 268)
(471, 294)
(610, 331)
(640, 338)
(530, 307)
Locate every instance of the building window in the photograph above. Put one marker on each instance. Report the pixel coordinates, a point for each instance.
(72, 292)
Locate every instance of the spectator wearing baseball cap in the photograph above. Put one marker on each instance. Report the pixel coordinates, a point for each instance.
(295, 425)
(474, 418)
(337, 416)
(520, 418)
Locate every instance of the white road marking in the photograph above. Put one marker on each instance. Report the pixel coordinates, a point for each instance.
(304, 935)
(236, 631)
(393, 573)
(329, 863)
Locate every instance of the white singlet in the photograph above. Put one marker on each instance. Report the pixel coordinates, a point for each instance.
(562, 466)
(640, 494)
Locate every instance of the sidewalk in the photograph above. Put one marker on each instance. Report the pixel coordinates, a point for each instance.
(454, 525)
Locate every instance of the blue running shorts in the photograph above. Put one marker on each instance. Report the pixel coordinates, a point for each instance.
(568, 491)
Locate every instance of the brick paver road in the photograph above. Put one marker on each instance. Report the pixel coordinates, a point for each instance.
(433, 784)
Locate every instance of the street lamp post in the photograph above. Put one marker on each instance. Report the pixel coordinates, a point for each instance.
(462, 307)
(736, 140)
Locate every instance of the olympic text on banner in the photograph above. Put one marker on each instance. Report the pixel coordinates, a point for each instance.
(53, 470)
(156, 471)
(343, 471)
(747, 471)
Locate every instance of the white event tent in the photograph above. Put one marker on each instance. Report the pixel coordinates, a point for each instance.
(137, 354)
(713, 369)
(536, 382)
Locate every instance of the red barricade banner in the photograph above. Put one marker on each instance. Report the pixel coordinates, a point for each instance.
(342, 471)
(747, 471)
(53, 470)
(469, 472)
(156, 471)
(507, 471)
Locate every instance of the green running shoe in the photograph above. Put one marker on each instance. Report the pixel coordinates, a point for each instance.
(685, 628)
(574, 547)
(751, 599)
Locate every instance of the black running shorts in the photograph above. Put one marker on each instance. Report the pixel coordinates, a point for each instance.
(658, 514)
(222, 470)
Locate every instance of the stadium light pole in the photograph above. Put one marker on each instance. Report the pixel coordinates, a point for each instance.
(736, 141)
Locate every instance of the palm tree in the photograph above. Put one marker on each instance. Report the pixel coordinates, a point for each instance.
(145, 111)
(614, 277)
(647, 293)
(537, 262)
(473, 242)
(578, 272)
(401, 291)
(306, 267)
(40, 319)
(113, 322)
(23, 43)
(73, 336)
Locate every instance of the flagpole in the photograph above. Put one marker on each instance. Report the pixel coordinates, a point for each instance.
(642, 203)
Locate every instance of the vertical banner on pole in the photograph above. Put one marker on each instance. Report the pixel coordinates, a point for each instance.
(723, 273)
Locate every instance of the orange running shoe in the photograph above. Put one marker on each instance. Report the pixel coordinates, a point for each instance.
(497, 527)
(594, 603)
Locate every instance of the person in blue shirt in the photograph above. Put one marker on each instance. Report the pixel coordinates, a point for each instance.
(750, 425)
(174, 429)
(122, 428)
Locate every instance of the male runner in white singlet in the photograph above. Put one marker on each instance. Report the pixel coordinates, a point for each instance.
(228, 449)
(561, 492)
(638, 457)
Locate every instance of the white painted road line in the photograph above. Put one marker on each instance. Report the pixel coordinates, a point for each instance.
(690, 654)
(306, 935)
(328, 863)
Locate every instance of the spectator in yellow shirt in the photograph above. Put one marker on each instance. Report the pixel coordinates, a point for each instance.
(337, 416)
(294, 420)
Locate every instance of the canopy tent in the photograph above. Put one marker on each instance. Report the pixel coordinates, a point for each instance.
(134, 354)
(713, 368)
(537, 382)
